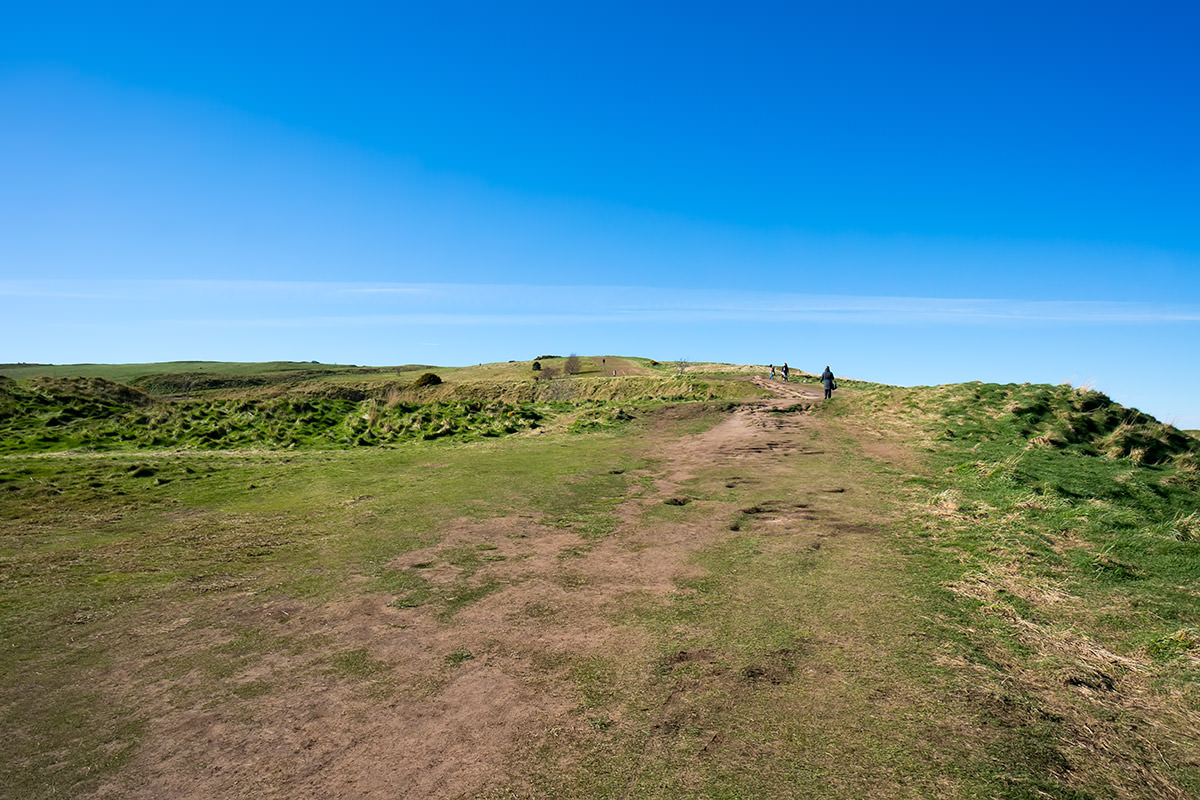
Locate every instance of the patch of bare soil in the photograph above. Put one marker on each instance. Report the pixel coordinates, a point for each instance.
(618, 367)
(416, 703)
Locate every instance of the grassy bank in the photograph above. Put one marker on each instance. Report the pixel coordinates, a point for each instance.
(1064, 530)
(230, 410)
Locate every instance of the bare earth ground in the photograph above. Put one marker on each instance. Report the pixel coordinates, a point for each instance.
(458, 707)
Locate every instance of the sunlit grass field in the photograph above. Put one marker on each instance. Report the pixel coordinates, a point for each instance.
(959, 591)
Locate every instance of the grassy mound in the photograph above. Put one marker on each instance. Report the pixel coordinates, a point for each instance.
(1054, 486)
(1065, 531)
(47, 410)
(624, 389)
(1041, 416)
(184, 383)
(212, 410)
(93, 414)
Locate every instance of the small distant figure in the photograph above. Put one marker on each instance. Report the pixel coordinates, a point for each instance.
(772, 366)
(785, 372)
(830, 383)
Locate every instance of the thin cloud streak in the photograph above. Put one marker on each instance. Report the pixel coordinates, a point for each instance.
(419, 320)
(300, 304)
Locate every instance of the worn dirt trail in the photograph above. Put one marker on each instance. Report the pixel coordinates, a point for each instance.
(428, 730)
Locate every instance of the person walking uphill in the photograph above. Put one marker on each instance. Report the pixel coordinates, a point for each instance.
(830, 383)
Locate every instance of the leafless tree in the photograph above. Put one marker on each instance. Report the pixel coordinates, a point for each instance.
(571, 365)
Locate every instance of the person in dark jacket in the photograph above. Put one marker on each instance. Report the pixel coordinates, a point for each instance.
(785, 372)
(830, 384)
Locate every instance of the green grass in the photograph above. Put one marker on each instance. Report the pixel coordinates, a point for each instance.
(93, 414)
(92, 547)
(182, 377)
(129, 372)
(1063, 528)
(242, 409)
(1106, 499)
(783, 669)
(1008, 609)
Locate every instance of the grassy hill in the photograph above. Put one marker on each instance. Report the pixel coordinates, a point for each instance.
(297, 580)
(131, 372)
(228, 406)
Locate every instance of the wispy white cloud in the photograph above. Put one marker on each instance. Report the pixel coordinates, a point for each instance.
(297, 304)
(391, 320)
(403, 290)
(65, 290)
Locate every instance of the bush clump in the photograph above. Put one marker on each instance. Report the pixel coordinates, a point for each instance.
(427, 379)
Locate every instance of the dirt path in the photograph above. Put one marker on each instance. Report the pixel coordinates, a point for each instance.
(482, 702)
(790, 389)
(622, 366)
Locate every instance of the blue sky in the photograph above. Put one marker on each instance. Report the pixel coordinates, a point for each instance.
(911, 192)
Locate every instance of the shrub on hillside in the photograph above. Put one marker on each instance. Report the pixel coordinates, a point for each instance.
(537, 366)
(426, 379)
